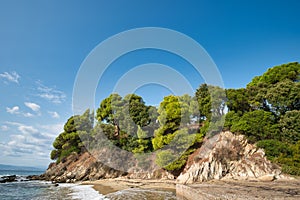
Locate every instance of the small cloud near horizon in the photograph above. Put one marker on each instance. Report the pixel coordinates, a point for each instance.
(11, 77)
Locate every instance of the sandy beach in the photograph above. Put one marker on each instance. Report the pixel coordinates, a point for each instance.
(229, 189)
(107, 186)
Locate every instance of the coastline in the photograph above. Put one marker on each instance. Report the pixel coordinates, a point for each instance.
(230, 189)
(107, 186)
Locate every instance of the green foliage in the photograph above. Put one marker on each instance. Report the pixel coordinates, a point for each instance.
(54, 154)
(165, 158)
(170, 111)
(231, 118)
(277, 74)
(174, 155)
(277, 90)
(237, 100)
(284, 96)
(172, 162)
(163, 136)
(69, 140)
(174, 113)
(218, 100)
(286, 155)
(108, 108)
(143, 143)
(204, 102)
(138, 110)
(291, 164)
(274, 148)
(213, 127)
(82, 122)
(125, 119)
(256, 125)
(290, 126)
(170, 116)
(211, 101)
(66, 152)
(268, 112)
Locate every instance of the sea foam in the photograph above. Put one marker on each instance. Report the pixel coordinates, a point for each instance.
(84, 192)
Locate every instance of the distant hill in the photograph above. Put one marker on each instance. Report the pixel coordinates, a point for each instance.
(23, 168)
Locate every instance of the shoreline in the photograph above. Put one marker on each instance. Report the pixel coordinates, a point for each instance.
(234, 189)
(107, 186)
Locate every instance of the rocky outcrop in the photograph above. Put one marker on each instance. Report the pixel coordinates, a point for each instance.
(82, 167)
(155, 174)
(77, 168)
(6, 179)
(223, 156)
(228, 156)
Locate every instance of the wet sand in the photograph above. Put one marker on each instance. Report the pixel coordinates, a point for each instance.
(279, 189)
(107, 186)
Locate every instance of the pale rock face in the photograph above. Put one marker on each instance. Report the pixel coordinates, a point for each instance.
(228, 156)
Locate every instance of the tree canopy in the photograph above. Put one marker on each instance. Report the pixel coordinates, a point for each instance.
(267, 112)
(69, 141)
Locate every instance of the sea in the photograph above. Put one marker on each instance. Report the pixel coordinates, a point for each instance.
(23, 189)
(43, 190)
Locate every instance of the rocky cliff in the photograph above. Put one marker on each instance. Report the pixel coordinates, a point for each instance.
(228, 156)
(79, 167)
(223, 156)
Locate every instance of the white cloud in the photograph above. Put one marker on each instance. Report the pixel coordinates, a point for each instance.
(52, 130)
(13, 123)
(30, 144)
(34, 142)
(11, 77)
(16, 110)
(13, 110)
(4, 128)
(54, 114)
(33, 106)
(51, 94)
(28, 114)
(27, 129)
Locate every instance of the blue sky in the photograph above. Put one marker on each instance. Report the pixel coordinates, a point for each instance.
(43, 43)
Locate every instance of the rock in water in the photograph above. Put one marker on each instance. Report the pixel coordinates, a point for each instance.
(228, 156)
(5, 179)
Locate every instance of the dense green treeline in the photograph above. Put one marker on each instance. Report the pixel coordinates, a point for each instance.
(267, 111)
